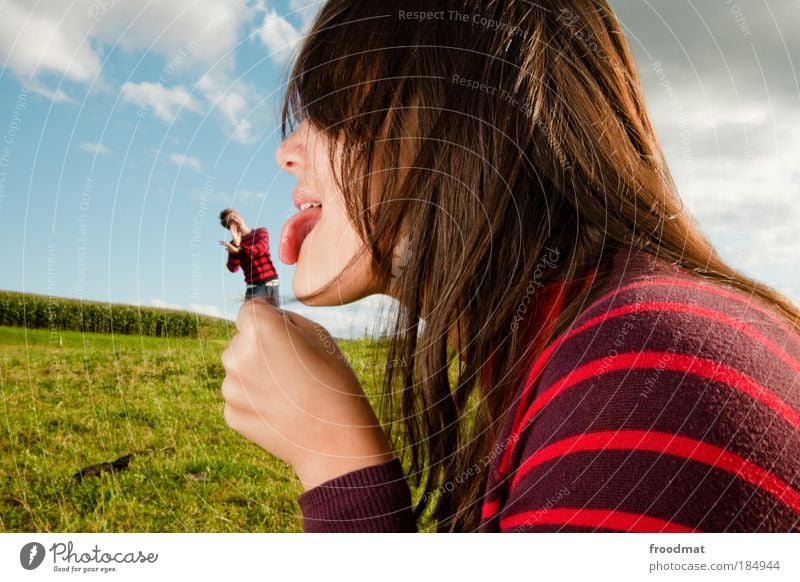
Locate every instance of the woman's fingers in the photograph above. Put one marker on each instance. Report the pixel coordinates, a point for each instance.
(265, 336)
(230, 390)
(288, 389)
(303, 323)
(256, 313)
(253, 427)
(232, 357)
(243, 399)
(277, 328)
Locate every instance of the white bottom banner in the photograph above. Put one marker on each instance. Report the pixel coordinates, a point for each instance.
(356, 557)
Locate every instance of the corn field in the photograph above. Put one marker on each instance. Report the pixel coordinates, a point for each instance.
(61, 314)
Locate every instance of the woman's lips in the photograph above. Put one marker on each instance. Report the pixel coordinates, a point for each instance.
(300, 197)
(295, 230)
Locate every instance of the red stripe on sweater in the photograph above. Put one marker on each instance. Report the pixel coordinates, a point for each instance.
(555, 305)
(619, 312)
(490, 508)
(666, 443)
(711, 289)
(667, 361)
(598, 518)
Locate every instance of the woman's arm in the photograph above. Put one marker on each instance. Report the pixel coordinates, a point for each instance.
(373, 499)
(289, 389)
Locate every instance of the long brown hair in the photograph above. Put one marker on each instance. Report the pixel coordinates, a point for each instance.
(498, 132)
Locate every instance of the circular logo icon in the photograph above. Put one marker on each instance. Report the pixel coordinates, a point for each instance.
(31, 555)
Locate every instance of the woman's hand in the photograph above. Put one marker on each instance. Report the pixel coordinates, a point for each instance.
(289, 389)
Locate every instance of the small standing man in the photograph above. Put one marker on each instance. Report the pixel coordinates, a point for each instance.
(249, 249)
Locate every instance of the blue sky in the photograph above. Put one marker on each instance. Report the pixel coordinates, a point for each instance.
(126, 126)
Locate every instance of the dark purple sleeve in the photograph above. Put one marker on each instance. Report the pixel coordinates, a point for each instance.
(372, 499)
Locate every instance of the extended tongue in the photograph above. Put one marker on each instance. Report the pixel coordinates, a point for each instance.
(294, 232)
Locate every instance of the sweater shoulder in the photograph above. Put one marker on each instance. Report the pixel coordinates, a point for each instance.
(670, 404)
(666, 318)
(668, 335)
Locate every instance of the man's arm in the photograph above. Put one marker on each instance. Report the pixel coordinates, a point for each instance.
(258, 246)
(234, 260)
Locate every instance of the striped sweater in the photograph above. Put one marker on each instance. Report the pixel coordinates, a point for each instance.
(253, 257)
(669, 405)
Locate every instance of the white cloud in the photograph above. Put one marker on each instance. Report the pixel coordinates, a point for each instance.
(56, 96)
(184, 33)
(165, 102)
(735, 165)
(279, 36)
(227, 198)
(161, 304)
(69, 39)
(247, 195)
(211, 310)
(752, 115)
(369, 316)
(208, 197)
(234, 298)
(779, 245)
(306, 10)
(38, 40)
(97, 149)
(180, 160)
(66, 37)
(232, 100)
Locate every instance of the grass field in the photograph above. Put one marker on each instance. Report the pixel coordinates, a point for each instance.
(72, 400)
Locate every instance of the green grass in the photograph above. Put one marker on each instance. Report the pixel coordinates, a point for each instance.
(70, 400)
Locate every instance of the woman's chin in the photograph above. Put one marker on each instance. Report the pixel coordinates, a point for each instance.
(304, 288)
(334, 294)
(341, 285)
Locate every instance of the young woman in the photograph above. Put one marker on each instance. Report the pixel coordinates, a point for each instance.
(570, 352)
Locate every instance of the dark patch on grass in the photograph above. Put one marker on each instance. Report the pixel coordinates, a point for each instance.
(119, 464)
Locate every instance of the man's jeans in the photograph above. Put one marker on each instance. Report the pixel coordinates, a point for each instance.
(269, 293)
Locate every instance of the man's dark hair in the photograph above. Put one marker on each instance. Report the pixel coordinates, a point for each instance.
(223, 216)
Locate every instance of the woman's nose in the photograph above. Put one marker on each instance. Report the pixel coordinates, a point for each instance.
(290, 152)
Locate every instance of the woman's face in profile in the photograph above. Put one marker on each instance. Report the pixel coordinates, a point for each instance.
(319, 241)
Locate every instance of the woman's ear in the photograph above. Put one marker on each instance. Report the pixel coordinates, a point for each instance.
(400, 257)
